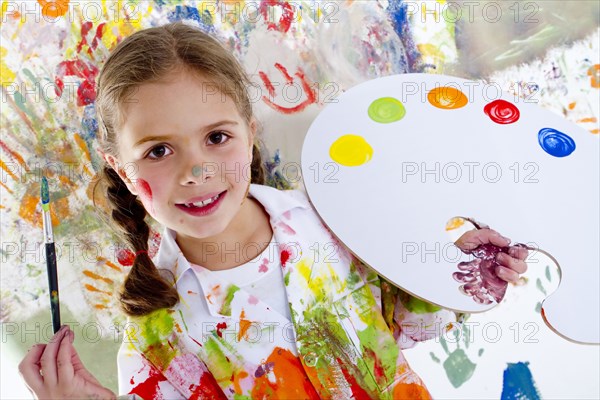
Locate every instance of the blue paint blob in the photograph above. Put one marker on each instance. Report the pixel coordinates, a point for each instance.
(518, 383)
(556, 143)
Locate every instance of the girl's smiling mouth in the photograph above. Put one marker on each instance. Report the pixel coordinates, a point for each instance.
(204, 205)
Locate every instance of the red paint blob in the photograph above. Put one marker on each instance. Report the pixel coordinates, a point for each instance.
(149, 388)
(125, 257)
(220, 327)
(285, 255)
(502, 112)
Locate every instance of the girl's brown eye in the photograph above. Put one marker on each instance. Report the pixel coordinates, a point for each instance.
(218, 137)
(157, 152)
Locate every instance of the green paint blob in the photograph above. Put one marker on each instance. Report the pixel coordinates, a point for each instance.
(459, 368)
(221, 367)
(434, 358)
(548, 276)
(386, 109)
(538, 284)
(157, 326)
(226, 308)
(418, 306)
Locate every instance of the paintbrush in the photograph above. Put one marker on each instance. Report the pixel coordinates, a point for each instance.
(50, 257)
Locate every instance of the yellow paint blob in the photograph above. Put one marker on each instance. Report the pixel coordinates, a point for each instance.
(351, 150)
(447, 98)
(454, 223)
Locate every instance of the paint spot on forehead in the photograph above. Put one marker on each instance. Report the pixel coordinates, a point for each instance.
(351, 150)
(447, 98)
(386, 109)
(556, 143)
(502, 112)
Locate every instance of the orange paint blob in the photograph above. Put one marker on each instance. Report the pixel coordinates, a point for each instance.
(290, 380)
(244, 326)
(411, 391)
(54, 8)
(594, 73)
(447, 98)
(236, 381)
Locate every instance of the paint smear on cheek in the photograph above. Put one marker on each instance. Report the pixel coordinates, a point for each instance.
(145, 193)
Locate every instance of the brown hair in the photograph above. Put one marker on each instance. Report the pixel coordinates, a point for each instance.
(150, 55)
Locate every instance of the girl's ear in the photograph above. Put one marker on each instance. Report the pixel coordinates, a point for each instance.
(118, 166)
(253, 128)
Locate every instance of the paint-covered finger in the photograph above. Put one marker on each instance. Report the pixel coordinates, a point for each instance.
(29, 368)
(519, 266)
(518, 252)
(507, 274)
(496, 238)
(474, 238)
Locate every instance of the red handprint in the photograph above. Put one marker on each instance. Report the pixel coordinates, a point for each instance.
(311, 96)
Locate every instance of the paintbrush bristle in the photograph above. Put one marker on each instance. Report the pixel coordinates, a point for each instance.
(45, 192)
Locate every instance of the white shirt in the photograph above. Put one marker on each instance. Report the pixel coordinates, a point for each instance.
(262, 277)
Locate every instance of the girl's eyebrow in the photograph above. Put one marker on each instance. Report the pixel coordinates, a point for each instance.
(161, 138)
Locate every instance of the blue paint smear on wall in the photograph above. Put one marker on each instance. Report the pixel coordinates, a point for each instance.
(398, 14)
(518, 383)
(187, 12)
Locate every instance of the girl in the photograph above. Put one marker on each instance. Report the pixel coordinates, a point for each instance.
(242, 300)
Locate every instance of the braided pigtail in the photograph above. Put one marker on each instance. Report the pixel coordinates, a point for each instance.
(145, 290)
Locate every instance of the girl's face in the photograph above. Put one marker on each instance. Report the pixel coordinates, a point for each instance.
(185, 151)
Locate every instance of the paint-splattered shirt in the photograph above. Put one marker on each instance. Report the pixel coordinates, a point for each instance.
(344, 338)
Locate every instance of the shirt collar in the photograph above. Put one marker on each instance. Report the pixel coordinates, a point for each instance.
(276, 202)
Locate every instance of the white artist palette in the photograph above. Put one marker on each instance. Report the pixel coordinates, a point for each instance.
(387, 169)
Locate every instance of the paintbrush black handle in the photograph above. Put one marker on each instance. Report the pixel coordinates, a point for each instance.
(53, 285)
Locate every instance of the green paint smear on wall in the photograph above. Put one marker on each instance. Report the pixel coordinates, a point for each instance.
(81, 224)
(548, 276)
(226, 308)
(459, 368)
(433, 357)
